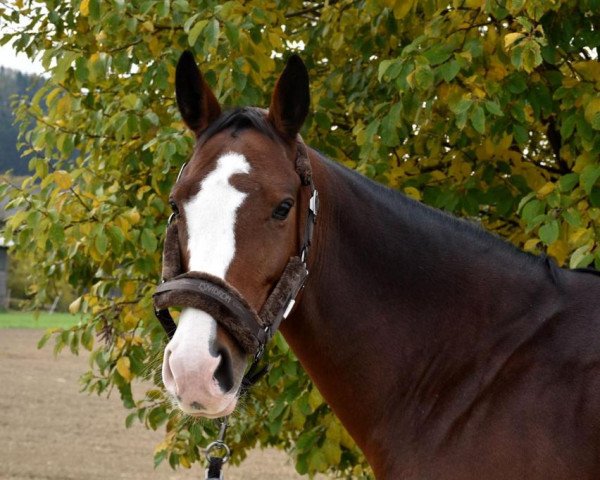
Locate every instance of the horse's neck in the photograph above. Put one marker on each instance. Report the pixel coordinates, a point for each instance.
(399, 301)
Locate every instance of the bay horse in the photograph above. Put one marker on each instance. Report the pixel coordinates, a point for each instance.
(446, 352)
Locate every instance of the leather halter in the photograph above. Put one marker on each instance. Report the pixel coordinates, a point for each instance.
(217, 297)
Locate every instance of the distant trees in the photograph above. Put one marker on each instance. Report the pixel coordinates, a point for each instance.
(488, 109)
(12, 82)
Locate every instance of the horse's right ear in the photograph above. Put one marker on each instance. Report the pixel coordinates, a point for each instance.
(197, 104)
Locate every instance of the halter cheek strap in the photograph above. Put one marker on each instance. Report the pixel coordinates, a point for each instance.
(217, 297)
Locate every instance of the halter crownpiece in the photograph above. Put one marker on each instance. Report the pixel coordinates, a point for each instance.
(218, 298)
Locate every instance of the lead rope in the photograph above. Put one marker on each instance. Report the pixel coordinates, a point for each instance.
(217, 454)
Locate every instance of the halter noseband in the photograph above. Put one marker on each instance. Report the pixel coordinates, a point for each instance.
(217, 297)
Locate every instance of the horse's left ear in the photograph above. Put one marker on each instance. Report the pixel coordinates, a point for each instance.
(291, 99)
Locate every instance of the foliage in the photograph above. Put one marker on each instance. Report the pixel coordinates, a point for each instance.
(485, 108)
(19, 272)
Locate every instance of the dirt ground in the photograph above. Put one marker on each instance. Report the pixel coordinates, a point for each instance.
(50, 431)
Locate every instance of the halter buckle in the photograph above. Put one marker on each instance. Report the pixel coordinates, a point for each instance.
(259, 353)
(289, 307)
(313, 204)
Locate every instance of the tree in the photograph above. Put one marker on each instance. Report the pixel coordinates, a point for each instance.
(487, 109)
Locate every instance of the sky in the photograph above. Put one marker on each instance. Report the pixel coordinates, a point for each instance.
(8, 58)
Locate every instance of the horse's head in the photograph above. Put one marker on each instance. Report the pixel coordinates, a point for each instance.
(238, 219)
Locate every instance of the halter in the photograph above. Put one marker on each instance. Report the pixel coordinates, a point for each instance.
(217, 297)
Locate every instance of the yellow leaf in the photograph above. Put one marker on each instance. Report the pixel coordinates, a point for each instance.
(438, 175)
(412, 192)
(531, 244)
(162, 446)
(184, 462)
(489, 147)
(560, 251)
(506, 142)
(334, 432)
(130, 320)
(120, 343)
(592, 109)
(589, 69)
(129, 289)
(314, 398)
(63, 179)
(148, 26)
(123, 367)
(75, 306)
(511, 38)
(401, 8)
(134, 216)
(546, 190)
(154, 45)
(84, 8)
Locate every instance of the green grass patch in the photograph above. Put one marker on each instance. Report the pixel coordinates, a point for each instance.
(43, 320)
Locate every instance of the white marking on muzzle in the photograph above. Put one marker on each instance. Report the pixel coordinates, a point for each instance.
(190, 357)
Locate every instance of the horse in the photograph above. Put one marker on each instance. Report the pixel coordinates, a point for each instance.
(446, 352)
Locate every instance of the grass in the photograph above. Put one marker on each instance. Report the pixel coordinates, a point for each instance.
(43, 320)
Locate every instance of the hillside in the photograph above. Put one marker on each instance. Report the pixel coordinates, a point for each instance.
(11, 82)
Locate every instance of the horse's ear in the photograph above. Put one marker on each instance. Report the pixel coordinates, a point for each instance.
(291, 98)
(197, 104)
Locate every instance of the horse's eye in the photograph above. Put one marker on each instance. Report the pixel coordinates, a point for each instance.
(174, 207)
(282, 210)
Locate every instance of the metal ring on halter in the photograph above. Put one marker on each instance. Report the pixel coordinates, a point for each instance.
(218, 445)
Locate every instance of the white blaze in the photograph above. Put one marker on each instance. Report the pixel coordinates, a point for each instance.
(210, 217)
(190, 361)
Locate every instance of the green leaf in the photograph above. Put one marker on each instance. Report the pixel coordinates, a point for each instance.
(148, 240)
(531, 210)
(588, 177)
(478, 119)
(47, 334)
(101, 241)
(232, 33)
(383, 66)
(56, 233)
(449, 70)
(549, 232)
(573, 217)
(493, 108)
(581, 257)
(212, 32)
(567, 182)
(461, 105)
(568, 127)
(424, 77)
(438, 54)
(196, 31)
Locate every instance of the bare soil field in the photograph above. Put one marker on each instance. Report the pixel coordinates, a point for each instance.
(50, 431)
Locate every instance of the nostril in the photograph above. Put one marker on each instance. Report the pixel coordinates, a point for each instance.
(224, 372)
(167, 374)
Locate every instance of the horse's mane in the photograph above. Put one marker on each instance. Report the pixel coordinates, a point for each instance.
(470, 230)
(240, 119)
